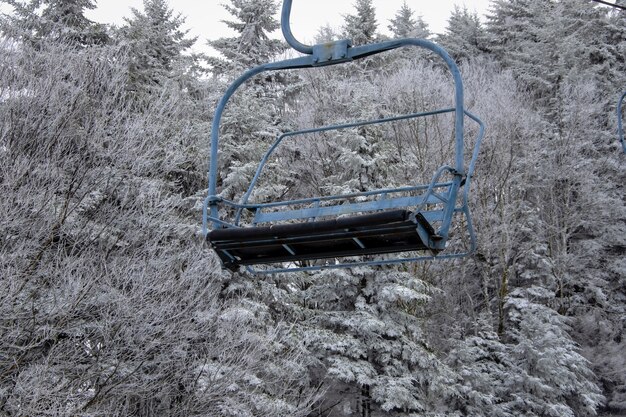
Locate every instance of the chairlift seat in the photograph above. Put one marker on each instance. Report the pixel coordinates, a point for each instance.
(409, 218)
(368, 234)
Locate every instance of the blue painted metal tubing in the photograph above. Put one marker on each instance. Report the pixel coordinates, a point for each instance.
(286, 29)
(620, 121)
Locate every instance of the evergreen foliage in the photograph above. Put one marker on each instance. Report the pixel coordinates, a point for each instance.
(53, 20)
(551, 377)
(403, 25)
(157, 45)
(251, 46)
(361, 27)
(464, 38)
(326, 33)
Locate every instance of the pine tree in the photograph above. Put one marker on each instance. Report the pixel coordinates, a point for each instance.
(484, 366)
(57, 21)
(367, 326)
(361, 27)
(511, 24)
(254, 115)
(65, 19)
(570, 67)
(326, 33)
(592, 46)
(254, 21)
(548, 43)
(156, 45)
(464, 37)
(403, 25)
(553, 377)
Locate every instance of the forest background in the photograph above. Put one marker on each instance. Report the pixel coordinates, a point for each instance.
(112, 304)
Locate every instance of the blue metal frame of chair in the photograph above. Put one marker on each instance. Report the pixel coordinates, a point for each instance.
(620, 121)
(437, 201)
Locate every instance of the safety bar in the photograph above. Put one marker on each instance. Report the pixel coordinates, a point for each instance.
(316, 212)
(311, 200)
(270, 151)
(280, 138)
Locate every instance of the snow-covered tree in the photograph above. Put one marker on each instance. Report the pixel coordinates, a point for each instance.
(361, 27)
(253, 22)
(364, 322)
(547, 43)
(593, 46)
(53, 20)
(326, 33)
(553, 378)
(464, 38)
(109, 304)
(157, 46)
(403, 25)
(251, 120)
(365, 328)
(536, 370)
(484, 366)
(513, 25)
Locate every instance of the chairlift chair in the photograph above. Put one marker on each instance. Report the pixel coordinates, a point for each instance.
(620, 121)
(387, 226)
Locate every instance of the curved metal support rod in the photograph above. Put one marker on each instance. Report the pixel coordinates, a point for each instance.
(468, 180)
(620, 121)
(309, 200)
(286, 28)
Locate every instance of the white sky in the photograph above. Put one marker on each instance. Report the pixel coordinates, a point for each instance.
(203, 17)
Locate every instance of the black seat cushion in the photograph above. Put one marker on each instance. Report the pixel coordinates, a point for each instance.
(377, 233)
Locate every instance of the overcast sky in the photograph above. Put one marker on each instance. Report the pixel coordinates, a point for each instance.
(204, 16)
